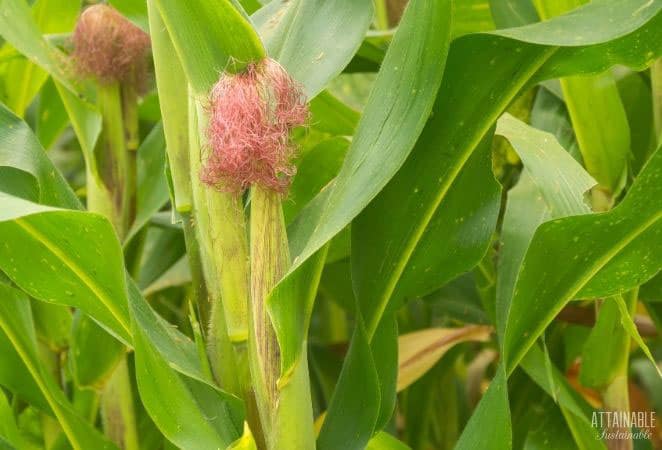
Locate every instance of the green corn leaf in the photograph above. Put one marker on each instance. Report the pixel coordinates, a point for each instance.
(474, 100)
(489, 427)
(53, 324)
(9, 429)
(601, 127)
(376, 237)
(135, 11)
(19, 28)
(513, 13)
(598, 118)
(315, 170)
(52, 117)
(638, 102)
(20, 149)
(171, 82)
(384, 346)
(86, 124)
(313, 40)
(332, 116)
(209, 37)
(353, 430)
(553, 185)
(190, 413)
(576, 411)
(605, 254)
(73, 272)
(324, 216)
(370, 133)
(16, 323)
(385, 135)
(16, 377)
(384, 441)
(94, 354)
(631, 328)
(164, 248)
(549, 114)
(23, 76)
(591, 19)
(401, 258)
(498, 89)
(98, 287)
(600, 368)
(472, 16)
(564, 188)
(544, 427)
(178, 274)
(152, 186)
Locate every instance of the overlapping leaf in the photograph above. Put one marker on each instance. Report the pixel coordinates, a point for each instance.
(188, 409)
(22, 77)
(152, 186)
(471, 118)
(94, 353)
(494, 410)
(553, 185)
(404, 258)
(208, 35)
(77, 255)
(598, 118)
(470, 101)
(391, 122)
(20, 150)
(16, 323)
(171, 82)
(313, 40)
(575, 409)
(420, 350)
(18, 27)
(80, 260)
(603, 254)
(356, 411)
(378, 133)
(9, 431)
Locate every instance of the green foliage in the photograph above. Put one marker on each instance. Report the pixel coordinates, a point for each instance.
(501, 178)
(601, 253)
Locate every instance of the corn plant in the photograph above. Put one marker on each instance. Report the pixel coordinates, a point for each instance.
(330, 224)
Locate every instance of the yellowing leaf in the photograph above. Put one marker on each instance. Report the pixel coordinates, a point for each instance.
(420, 350)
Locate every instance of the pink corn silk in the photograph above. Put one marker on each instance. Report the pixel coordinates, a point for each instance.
(109, 47)
(251, 115)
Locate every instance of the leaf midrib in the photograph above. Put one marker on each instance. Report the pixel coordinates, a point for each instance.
(76, 270)
(411, 245)
(593, 269)
(41, 383)
(455, 336)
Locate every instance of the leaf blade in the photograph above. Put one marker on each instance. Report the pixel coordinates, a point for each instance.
(313, 40)
(204, 47)
(591, 242)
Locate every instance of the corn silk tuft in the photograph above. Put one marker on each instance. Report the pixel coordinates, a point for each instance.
(108, 47)
(251, 116)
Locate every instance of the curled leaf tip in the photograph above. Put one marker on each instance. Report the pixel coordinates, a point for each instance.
(109, 47)
(251, 116)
